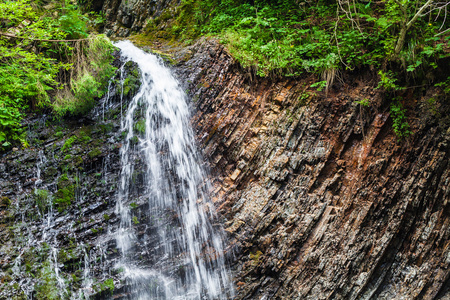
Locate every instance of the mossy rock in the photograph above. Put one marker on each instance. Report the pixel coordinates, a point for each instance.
(68, 144)
(5, 202)
(132, 81)
(50, 172)
(65, 194)
(95, 153)
(47, 288)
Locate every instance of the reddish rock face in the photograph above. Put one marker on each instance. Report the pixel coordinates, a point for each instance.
(320, 199)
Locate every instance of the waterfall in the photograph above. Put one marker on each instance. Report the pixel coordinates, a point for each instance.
(169, 248)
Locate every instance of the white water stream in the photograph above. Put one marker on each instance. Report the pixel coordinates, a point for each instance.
(185, 252)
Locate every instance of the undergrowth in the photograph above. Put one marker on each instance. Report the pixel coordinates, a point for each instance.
(41, 70)
(407, 41)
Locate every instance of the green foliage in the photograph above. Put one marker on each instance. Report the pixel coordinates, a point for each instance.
(42, 200)
(28, 69)
(320, 85)
(139, 126)
(32, 67)
(65, 194)
(387, 81)
(289, 38)
(90, 81)
(135, 220)
(68, 143)
(72, 22)
(400, 123)
(363, 102)
(445, 85)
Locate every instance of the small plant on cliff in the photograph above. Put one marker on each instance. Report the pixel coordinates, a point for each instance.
(400, 123)
(68, 144)
(363, 102)
(42, 200)
(47, 287)
(65, 194)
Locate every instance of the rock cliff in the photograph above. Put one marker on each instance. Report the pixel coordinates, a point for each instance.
(126, 16)
(320, 199)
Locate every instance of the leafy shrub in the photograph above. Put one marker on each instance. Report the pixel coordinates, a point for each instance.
(89, 77)
(400, 123)
(73, 22)
(42, 200)
(32, 67)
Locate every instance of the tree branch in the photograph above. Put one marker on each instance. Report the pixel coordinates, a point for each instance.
(419, 13)
(39, 40)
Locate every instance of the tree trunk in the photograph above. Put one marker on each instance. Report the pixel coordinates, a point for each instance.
(401, 40)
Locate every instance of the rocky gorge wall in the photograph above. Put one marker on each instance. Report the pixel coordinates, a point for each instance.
(58, 204)
(319, 198)
(124, 17)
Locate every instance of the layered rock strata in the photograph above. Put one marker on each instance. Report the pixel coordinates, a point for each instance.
(319, 197)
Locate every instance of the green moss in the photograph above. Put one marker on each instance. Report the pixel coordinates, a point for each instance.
(63, 256)
(41, 199)
(50, 171)
(65, 194)
(63, 177)
(94, 153)
(134, 140)
(77, 160)
(106, 128)
(75, 278)
(135, 220)
(255, 257)
(5, 201)
(139, 126)
(132, 83)
(109, 283)
(68, 143)
(63, 198)
(47, 287)
(59, 134)
(106, 217)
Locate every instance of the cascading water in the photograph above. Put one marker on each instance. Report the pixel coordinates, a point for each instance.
(169, 247)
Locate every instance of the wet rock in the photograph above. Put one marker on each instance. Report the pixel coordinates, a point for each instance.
(125, 16)
(61, 204)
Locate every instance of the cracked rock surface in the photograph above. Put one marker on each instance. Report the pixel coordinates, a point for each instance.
(318, 196)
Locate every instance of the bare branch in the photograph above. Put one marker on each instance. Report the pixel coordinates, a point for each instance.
(418, 14)
(440, 33)
(39, 40)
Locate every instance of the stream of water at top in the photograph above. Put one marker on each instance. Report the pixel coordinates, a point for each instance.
(177, 253)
